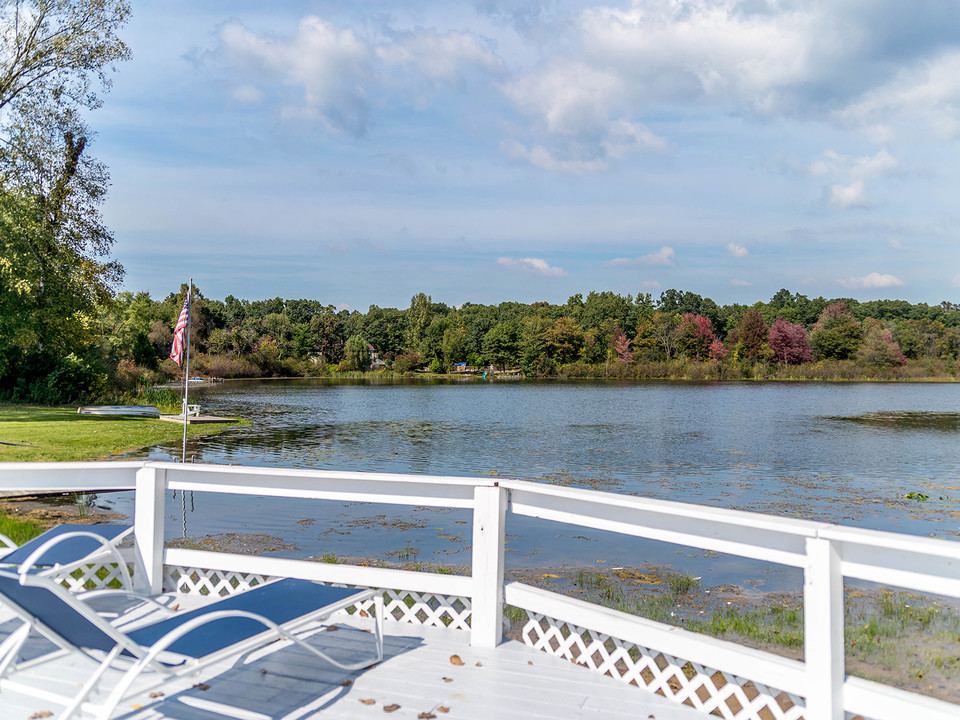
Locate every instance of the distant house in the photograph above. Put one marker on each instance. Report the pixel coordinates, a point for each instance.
(375, 362)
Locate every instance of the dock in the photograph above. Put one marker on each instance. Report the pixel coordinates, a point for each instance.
(199, 419)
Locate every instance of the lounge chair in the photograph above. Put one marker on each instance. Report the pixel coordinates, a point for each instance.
(174, 646)
(66, 547)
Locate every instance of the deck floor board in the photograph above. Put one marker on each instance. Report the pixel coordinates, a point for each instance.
(285, 682)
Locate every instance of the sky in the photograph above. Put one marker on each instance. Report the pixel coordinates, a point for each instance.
(361, 152)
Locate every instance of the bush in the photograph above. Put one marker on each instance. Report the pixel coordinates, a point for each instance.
(406, 362)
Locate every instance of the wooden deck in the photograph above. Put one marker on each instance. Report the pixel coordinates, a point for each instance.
(284, 682)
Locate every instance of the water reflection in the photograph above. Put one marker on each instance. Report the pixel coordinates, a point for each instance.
(848, 453)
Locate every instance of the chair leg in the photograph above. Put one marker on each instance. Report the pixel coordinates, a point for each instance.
(89, 686)
(10, 648)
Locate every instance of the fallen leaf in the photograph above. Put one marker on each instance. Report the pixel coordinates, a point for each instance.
(446, 679)
(391, 708)
(363, 613)
(332, 628)
(175, 607)
(455, 660)
(479, 664)
(426, 716)
(529, 662)
(136, 706)
(41, 714)
(156, 694)
(202, 686)
(346, 683)
(368, 701)
(443, 709)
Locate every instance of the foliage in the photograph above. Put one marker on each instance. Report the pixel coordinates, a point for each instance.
(54, 275)
(356, 354)
(879, 349)
(750, 335)
(837, 334)
(788, 342)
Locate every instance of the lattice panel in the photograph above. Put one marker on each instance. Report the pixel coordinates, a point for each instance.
(96, 576)
(405, 606)
(710, 691)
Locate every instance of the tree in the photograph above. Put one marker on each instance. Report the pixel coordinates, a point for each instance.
(500, 345)
(356, 354)
(750, 335)
(837, 334)
(879, 349)
(621, 346)
(52, 239)
(418, 319)
(564, 340)
(696, 336)
(788, 342)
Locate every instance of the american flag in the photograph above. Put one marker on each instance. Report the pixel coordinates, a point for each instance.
(176, 350)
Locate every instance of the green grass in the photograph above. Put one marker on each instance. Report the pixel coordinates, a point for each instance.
(20, 531)
(60, 434)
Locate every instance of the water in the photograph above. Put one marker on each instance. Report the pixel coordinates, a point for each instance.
(839, 452)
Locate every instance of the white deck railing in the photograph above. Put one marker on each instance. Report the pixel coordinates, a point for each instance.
(679, 663)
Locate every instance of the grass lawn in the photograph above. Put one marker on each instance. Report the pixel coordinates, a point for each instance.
(60, 434)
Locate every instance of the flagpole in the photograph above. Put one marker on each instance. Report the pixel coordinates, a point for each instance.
(186, 372)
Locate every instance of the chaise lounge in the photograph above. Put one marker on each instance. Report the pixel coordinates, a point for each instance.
(172, 647)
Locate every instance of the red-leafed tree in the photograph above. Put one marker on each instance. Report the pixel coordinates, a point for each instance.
(750, 335)
(718, 351)
(696, 336)
(788, 342)
(621, 346)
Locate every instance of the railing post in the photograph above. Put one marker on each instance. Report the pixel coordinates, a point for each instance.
(148, 528)
(823, 631)
(489, 512)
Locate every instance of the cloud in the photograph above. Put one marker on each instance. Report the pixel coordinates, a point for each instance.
(328, 74)
(925, 96)
(440, 57)
(872, 281)
(956, 281)
(535, 266)
(850, 174)
(740, 283)
(663, 256)
(650, 285)
(738, 251)
(899, 246)
(573, 106)
(330, 69)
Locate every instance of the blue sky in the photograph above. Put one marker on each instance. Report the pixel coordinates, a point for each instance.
(360, 152)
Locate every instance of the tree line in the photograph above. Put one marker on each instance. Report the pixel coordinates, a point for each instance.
(603, 334)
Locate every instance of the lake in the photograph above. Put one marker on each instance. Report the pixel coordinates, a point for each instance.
(840, 452)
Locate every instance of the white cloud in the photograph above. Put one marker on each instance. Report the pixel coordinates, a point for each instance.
(663, 256)
(872, 281)
(956, 281)
(541, 157)
(650, 285)
(736, 282)
(738, 251)
(330, 66)
(536, 266)
(440, 57)
(899, 246)
(327, 74)
(924, 96)
(850, 174)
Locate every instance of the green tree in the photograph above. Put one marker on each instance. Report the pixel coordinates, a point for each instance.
(837, 334)
(500, 345)
(418, 319)
(356, 354)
